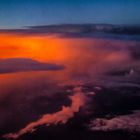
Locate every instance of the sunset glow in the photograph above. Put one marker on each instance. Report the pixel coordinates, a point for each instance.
(42, 48)
(69, 70)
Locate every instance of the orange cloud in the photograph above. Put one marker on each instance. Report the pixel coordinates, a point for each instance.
(43, 48)
(62, 116)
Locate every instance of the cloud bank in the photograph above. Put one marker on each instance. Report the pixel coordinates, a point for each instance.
(22, 64)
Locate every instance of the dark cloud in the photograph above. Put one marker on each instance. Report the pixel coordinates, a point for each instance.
(135, 52)
(21, 64)
(120, 99)
(82, 30)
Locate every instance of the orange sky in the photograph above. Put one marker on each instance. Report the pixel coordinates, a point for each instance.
(43, 48)
(79, 55)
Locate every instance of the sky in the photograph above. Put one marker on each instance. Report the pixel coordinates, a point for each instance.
(46, 79)
(20, 13)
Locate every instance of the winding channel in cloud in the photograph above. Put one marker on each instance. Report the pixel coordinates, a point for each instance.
(78, 100)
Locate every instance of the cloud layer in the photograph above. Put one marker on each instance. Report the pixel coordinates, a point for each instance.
(22, 64)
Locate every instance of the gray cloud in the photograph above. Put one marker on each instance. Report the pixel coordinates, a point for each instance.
(22, 64)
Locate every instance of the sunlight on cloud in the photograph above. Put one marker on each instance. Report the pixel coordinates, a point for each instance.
(62, 116)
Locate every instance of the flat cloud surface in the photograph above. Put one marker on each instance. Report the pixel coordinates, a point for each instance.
(22, 64)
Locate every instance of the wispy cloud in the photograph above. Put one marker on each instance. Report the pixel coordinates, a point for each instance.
(62, 116)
